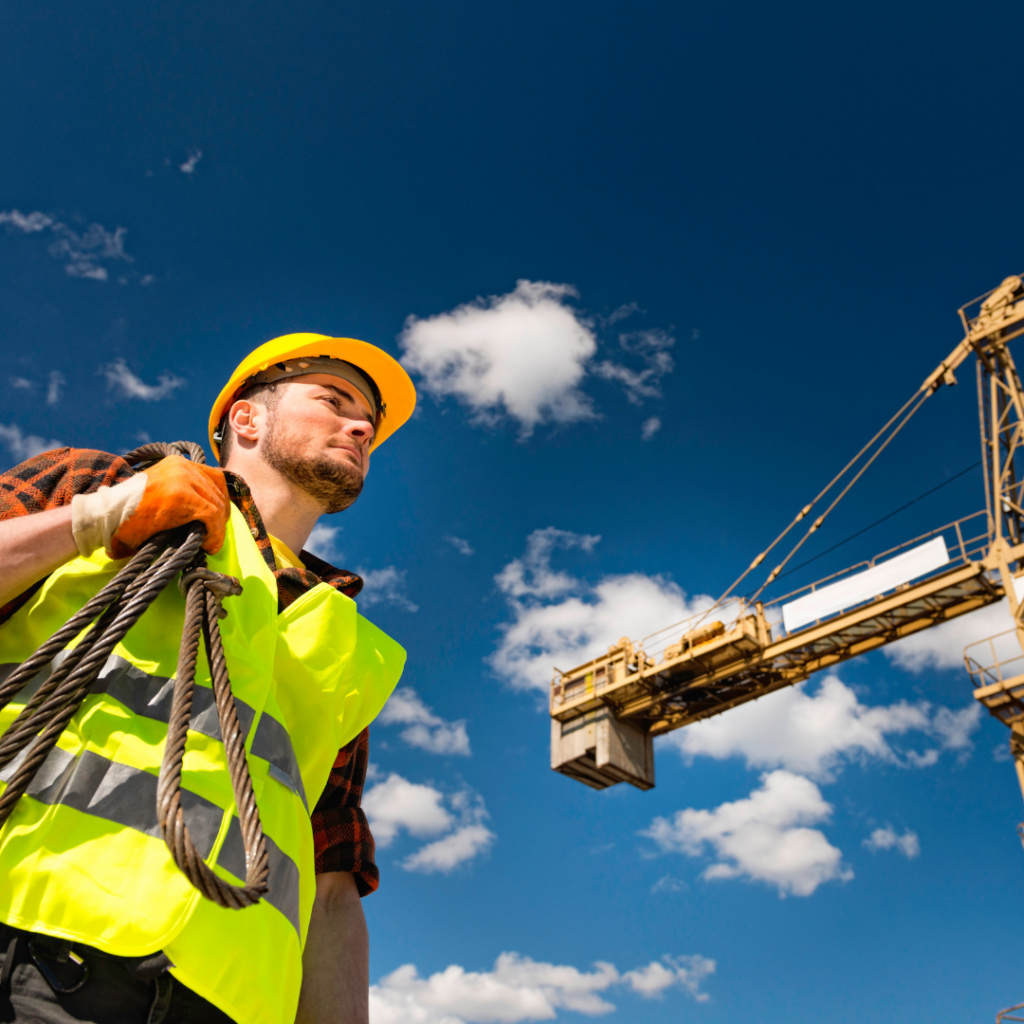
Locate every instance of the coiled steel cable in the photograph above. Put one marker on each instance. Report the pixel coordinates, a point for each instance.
(112, 612)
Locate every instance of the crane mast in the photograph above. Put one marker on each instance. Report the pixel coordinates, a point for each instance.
(606, 712)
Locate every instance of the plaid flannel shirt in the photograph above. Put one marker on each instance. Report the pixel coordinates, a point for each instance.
(341, 835)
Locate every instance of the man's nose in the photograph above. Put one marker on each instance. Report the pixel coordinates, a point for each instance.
(361, 429)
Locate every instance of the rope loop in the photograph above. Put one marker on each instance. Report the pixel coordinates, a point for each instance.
(105, 619)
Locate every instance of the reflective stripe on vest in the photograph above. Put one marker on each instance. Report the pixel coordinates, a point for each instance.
(127, 796)
(151, 696)
(81, 855)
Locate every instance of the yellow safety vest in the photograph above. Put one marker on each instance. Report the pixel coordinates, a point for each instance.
(81, 857)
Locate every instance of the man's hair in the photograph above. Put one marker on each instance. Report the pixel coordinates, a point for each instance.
(268, 395)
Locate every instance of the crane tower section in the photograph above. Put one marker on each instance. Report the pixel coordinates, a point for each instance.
(606, 712)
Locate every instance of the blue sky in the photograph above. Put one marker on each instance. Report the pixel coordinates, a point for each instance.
(739, 231)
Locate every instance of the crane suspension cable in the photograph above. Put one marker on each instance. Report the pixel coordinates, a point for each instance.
(802, 514)
(112, 612)
(842, 494)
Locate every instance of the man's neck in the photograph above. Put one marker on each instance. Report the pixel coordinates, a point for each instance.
(287, 511)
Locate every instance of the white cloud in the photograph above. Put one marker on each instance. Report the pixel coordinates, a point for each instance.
(886, 839)
(83, 254)
(25, 446)
(686, 972)
(943, 646)
(813, 733)
(21, 383)
(650, 428)
(652, 348)
(523, 355)
(189, 166)
(762, 837)
(521, 989)
(424, 729)
(120, 378)
(451, 851)
(28, 223)
(462, 546)
(322, 542)
(561, 620)
(385, 586)
(669, 883)
(55, 387)
(396, 803)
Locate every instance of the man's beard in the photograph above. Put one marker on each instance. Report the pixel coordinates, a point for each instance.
(332, 485)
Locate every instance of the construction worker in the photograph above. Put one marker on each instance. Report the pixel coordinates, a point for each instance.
(97, 923)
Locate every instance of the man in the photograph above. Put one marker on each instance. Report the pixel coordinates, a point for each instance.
(96, 923)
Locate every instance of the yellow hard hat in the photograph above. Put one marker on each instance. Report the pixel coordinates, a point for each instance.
(397, 394)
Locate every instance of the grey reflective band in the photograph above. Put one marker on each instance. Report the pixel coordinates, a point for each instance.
(299, 367)
(150, 697)
(127, 796)
(284, 872)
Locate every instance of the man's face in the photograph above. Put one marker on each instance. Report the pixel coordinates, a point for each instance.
(319, 436)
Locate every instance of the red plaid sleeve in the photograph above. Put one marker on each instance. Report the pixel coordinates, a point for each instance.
(49, 481)
(341, 835)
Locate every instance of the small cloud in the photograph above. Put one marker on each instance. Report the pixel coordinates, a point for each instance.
(322, 542)
(886, 839)
(83, 253)
(650, 428)
(685, 972)
(120, 378)
(147, 279)
(621, 313)
(189, 166)
(27, 223)
(21, 383)
(462, 546)
(652, 347)
(425, 730)
(55, 387)
(446, 854)
(385, 586)
(25, 446)
(669, 883)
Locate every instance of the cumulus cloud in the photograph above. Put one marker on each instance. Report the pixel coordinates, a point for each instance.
(521, 989)
(21, 383)
(462, 546)
(650, 428)
(763, 837)
(55, 387)
(189, 166)
(942, 647)
(814, 733)
(523, 355)
(385, 586)
(25, 446)
(424, 729)
(396, 804)
(84, 254)
(558, 619)
(652, 349)
(121, 380)
(886, 839)
(322, 542)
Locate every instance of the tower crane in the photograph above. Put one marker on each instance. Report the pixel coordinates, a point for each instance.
(606, 712)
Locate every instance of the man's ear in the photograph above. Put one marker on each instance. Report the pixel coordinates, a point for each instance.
(247, 420)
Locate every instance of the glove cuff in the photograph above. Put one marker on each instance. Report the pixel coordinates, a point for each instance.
(95, 517)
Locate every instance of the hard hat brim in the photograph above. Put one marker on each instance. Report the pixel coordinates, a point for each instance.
(396, 388)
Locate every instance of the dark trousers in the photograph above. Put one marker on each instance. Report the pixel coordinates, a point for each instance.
(49, 981)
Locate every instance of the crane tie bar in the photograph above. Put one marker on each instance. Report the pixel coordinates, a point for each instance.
(112, 612)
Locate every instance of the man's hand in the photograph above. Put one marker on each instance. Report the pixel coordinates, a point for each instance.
(122, 518)
(336, 961)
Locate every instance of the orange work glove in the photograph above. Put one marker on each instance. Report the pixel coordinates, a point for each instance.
(171, 493)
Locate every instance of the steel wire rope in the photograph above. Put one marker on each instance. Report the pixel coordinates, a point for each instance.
(877, 522)
(107, 617)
